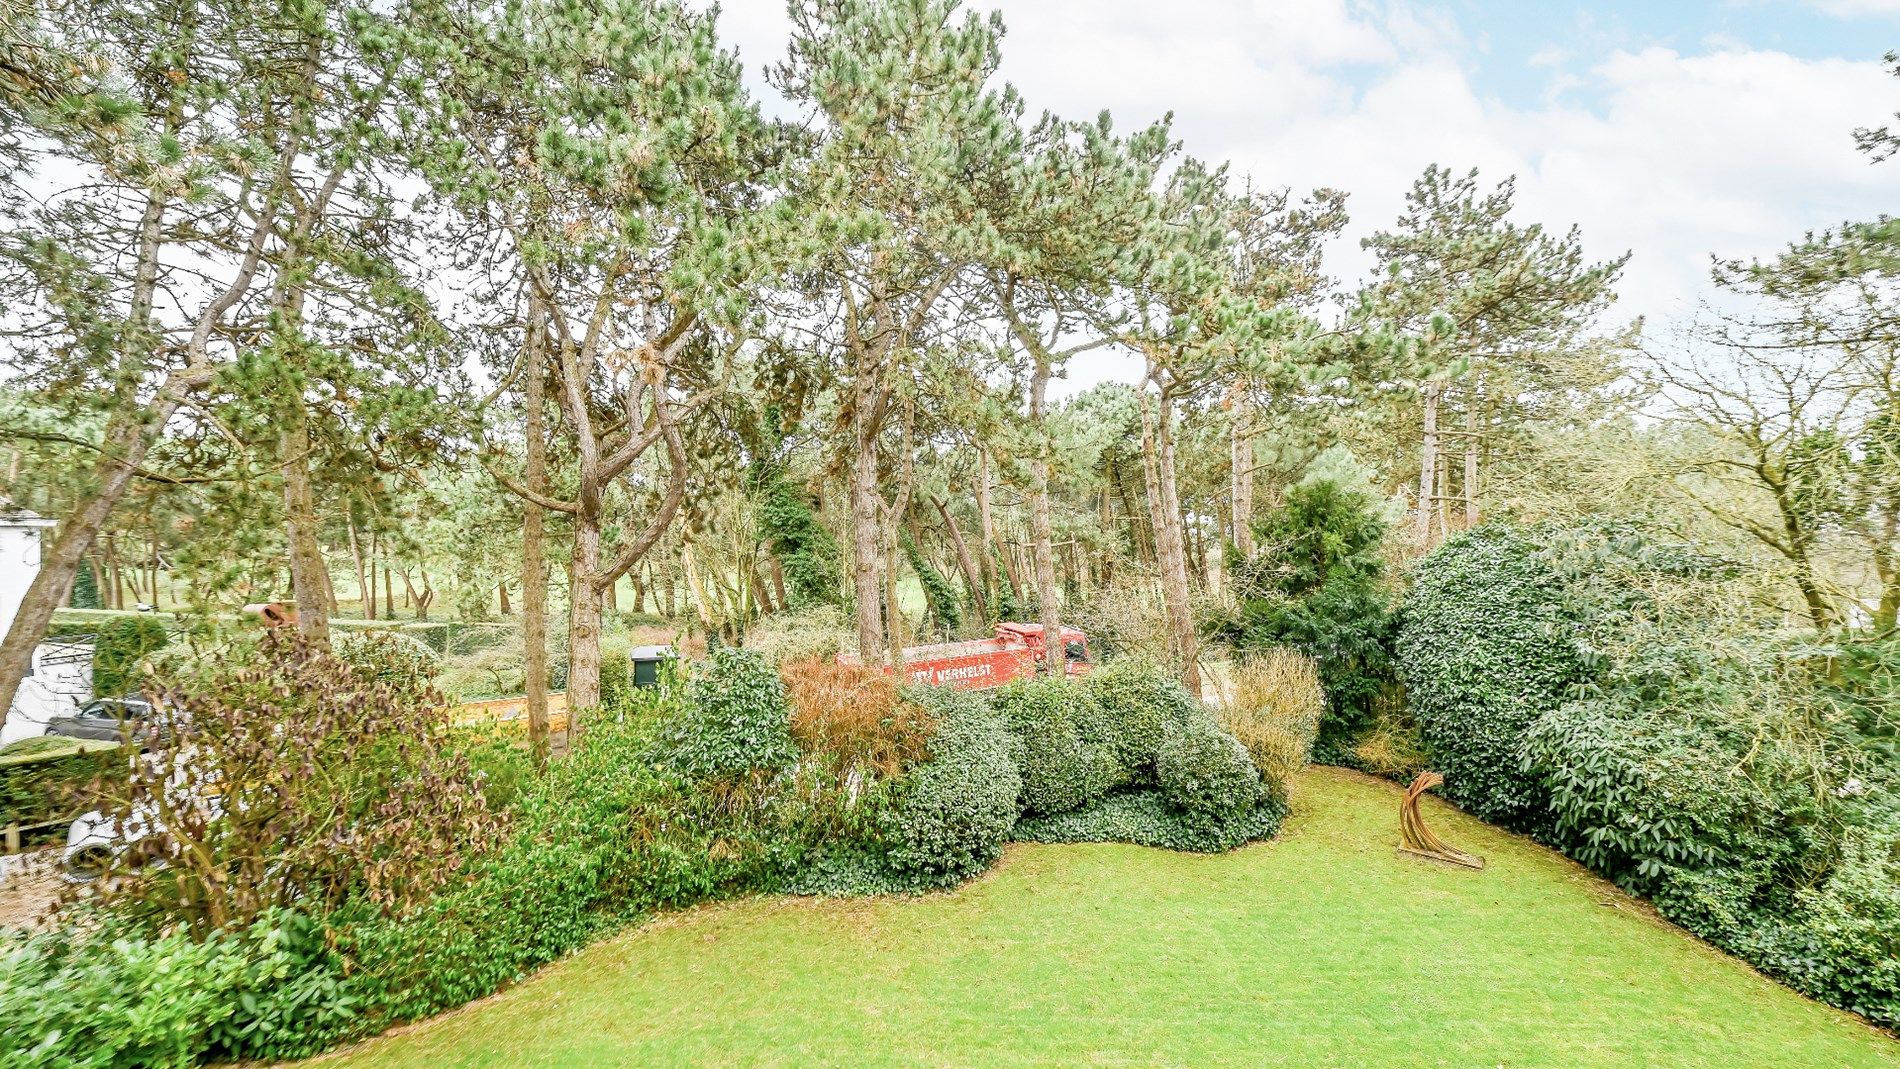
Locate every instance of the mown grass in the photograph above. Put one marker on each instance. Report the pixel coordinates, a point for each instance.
(1324, 948)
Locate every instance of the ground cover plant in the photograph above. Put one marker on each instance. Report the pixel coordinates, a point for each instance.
(1321, 948)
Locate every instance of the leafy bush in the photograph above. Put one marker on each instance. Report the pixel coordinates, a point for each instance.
(294, 780)
(1138, 701)
(954, 812)
(1058, 743)
(1664, 730)
(1485, 648)
(855, 717)
(51, 780)
(122, 642)
(388, 657)
(1274, 710)
(1145, 817)
(110, 996)
(1207, 777)
(735, 719)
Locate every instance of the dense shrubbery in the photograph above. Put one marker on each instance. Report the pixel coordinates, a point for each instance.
(388, 657)
(1081, 749)
(1485, 647)
(1624, 700)
(1318, 586)
(49, 780)
(952, 815)
(718, 788)
(818, 633)
(735, 720)
(300, 781)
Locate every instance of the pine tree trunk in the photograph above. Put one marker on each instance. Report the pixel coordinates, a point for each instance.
(1471, 463)
(697, 588)
(583, 619)
(307, 582)
(972, 576)
(364, 595)
(389, 590)
(534, 545)
(864, 553)
(1041, 528)
(986, 523)
(1428, 465)
(1165, 513)
(1241, 457)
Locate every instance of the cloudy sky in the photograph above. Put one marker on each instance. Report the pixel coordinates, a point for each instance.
(1670, 129)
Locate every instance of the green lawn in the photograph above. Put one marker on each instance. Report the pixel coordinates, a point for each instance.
(1324, 948)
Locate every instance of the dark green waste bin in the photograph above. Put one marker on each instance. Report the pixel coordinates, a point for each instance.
(646, 664)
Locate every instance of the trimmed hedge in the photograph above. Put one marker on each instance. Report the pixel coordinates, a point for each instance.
(36, 787)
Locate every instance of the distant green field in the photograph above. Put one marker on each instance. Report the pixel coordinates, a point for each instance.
(1324, 948)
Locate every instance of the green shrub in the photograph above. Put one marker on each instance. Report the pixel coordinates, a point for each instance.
(1145, 817)
(1208, 778)
(1139, 701)
(735, 719)
(816, 633)
(1057, 743)
(1485, 647)
(954, 812)
(121, 643)
(109, 996)
(387, 656)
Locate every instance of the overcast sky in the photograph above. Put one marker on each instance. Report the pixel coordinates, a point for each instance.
(1671, 130)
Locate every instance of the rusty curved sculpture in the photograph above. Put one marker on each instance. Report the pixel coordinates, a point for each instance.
(1417, 838)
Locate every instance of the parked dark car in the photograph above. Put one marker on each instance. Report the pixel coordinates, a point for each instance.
(106, 719)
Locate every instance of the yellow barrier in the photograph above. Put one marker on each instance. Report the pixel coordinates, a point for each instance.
(511, 713)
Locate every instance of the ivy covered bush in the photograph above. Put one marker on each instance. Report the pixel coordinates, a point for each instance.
(1060, 744)
(955, 812)
(1485, 647)
(735, 719)
(1130, 756)
(1663, 728)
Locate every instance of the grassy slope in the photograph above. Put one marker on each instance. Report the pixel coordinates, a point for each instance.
(1321, 949)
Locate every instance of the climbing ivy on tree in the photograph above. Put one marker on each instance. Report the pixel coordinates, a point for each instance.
(806, 550)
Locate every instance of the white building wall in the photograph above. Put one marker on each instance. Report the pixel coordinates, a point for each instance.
(61, 680)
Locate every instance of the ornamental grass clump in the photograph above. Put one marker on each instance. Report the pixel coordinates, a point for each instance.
(1273, 708)
(853, 717)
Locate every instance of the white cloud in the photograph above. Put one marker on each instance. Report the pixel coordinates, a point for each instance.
(1857, 9)
(1673, 156)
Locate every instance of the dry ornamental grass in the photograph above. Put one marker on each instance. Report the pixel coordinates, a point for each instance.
(856, 716)
(1274, 707)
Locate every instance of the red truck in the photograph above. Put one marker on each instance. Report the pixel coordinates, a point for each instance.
(982, 663)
